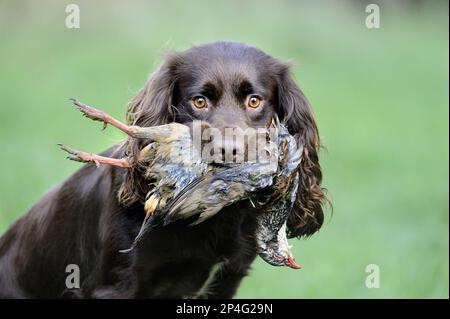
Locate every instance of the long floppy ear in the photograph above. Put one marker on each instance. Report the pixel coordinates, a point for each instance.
(151, 106)
(307, 215)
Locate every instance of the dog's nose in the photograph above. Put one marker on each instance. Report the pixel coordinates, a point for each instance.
(230, 150)
(224, 152)
(220, 144)
(228, 153)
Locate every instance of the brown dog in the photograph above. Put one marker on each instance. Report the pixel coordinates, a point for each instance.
(83, 222)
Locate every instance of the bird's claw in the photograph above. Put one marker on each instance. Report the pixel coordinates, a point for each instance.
(90, 112)
(126, 251)
(74, 158)
(78, 156)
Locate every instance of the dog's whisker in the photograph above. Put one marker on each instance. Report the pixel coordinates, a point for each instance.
(183, 112)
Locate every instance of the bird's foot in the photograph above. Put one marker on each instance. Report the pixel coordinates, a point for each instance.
(91, 112)
(78, 156)
(85, 157)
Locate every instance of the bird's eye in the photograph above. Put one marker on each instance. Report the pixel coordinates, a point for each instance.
(254, 101)
(199, 102)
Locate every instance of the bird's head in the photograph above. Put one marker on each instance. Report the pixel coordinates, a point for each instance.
(275, 250)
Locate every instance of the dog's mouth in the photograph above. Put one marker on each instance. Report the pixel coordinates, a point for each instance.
(219, 164)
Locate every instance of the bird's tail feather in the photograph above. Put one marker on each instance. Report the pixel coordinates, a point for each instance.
(150, 221)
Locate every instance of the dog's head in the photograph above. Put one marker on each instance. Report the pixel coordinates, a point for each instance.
(232, 85)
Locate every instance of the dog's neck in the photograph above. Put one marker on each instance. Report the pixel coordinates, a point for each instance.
(183, 252)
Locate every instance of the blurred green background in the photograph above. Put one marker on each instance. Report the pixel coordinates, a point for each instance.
(380, 96)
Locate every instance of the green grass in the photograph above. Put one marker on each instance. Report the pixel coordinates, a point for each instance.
(380, 96)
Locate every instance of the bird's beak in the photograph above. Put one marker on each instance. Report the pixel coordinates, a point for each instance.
(290, 262)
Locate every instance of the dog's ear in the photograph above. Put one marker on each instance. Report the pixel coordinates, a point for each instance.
(151, 106)
(293, 107)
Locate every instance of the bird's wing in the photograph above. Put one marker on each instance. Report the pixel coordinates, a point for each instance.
(182, 207)
(207, 195)
(193, 200)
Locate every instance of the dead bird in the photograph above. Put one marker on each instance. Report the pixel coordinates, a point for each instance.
(179, 174)
(173, 159)
(211, 192)
(272, 243)
(277, 203)
(176, 166)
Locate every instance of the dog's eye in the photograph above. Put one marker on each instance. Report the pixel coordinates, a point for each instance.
(254, 101)
(199, 102)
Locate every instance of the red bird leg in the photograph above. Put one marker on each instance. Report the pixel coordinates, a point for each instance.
(93, 158)
(104, 117)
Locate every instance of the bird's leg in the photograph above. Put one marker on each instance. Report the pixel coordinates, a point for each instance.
(93, 158)
(97, 115)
